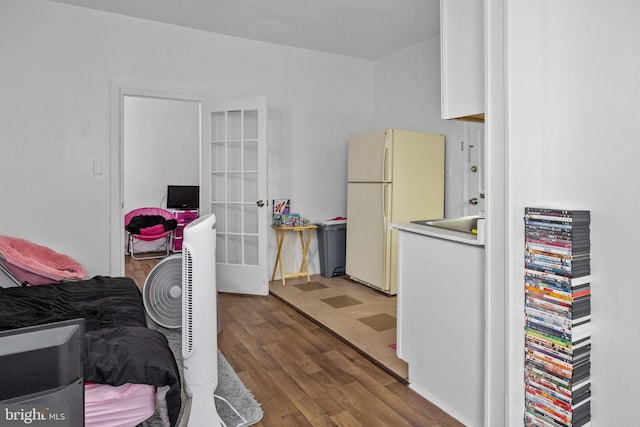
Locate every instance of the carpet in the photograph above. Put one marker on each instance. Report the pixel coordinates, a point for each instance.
(230, 387)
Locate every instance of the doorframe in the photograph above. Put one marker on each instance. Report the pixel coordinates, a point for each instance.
(502, 378)
(149, 89)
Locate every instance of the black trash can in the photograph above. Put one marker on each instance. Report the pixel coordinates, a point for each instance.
(332, 248)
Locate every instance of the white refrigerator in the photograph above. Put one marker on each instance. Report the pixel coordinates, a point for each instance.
(393, 176)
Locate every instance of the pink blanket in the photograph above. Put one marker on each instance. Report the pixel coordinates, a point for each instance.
(125, 405)
(27, 261)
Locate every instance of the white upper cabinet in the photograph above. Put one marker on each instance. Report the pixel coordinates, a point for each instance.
(462, 59)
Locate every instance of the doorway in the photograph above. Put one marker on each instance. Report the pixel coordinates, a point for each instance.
(124, 91)
(231, 171)
(161, 147)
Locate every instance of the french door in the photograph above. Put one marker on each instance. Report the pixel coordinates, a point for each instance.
(233, 186)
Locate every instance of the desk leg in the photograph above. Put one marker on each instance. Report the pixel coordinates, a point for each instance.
(304, 266)
(279, 239)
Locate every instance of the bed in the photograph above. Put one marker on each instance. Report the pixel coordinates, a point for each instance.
(129, 368)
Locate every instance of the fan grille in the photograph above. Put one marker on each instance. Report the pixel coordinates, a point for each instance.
(187, 302)
(162, 295)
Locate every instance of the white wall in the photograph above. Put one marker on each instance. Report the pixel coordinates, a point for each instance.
(161, 147)
(573, 88)
(55, 121)
(407, 96)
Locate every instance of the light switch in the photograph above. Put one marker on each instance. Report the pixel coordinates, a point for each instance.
(97, 168)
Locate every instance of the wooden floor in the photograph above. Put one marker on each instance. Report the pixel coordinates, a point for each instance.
(303, 375)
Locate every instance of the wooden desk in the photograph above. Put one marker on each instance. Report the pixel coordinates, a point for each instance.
(281, 231)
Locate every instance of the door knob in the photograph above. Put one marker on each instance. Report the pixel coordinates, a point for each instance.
(473, 201)
(474, 168)
(260, 203)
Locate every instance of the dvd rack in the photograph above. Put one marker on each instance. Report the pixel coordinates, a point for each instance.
(557, 318)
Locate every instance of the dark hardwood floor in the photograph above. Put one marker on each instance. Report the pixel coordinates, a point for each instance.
(303, 375)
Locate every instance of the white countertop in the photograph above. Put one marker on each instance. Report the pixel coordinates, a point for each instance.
(440, 233)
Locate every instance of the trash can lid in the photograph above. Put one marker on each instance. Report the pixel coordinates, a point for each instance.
(334, 221)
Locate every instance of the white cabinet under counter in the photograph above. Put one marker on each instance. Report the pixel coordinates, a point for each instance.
(440, 330)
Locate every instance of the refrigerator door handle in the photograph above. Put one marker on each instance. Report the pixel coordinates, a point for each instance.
(385, 196)
(385, 165)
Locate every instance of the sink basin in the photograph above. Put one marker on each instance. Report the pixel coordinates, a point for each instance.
(464, 224)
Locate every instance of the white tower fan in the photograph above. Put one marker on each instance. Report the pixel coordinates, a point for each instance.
(199, 323)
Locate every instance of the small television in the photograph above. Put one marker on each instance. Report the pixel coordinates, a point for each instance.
(42, 371)
(183, 197)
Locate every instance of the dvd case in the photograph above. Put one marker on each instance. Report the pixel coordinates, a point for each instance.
(557, 287)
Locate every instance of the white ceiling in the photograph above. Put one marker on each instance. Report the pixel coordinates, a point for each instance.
(368, 29)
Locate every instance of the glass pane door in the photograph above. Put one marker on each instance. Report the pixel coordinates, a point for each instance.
(237, 192)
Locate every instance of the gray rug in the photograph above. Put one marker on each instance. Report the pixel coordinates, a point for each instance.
(230, 387)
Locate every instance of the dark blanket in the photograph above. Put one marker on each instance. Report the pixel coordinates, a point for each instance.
(119, 347)
(139, 222)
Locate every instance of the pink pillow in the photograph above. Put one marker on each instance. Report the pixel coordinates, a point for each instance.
(154, 230)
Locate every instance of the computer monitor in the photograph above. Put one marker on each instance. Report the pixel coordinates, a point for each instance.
(42, 373)
(183, 197)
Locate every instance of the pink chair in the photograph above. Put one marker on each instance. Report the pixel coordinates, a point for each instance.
(28, 262)
(148, 225)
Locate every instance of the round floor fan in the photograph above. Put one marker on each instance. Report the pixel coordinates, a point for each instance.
(162, 292)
